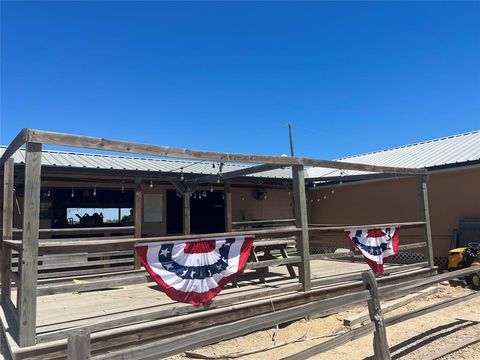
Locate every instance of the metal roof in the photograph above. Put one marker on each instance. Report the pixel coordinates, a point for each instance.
(53, 158)
(427, 154)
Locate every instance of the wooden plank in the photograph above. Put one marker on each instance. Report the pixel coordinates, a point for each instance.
(83, 272)
(227, 193)
(275, 262)
(99, 229)
(425, 216)
(313, 227)
(398, 289)
(417, 245)
(358, 319)
(265, 222)
(428, 309)
(79, 345)
(333, 343)
(453, 348)
(138, 211)
(7, 226)
(179, 343)
(232, 174)
(27, 297)
(125, 244)
(301, 220)
(91, 285)
(48, 137)
(380, 343)
(16, 143)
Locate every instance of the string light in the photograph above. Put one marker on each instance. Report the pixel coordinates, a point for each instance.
(151, 184)
(243, 197)
(223, 196)
(324, 197)
(181, 174)
(123, 187)
(95, 190)
(48, 192)
(332, 191)
(73, 193)
(204, 194)
(211, 188)
(318, 198)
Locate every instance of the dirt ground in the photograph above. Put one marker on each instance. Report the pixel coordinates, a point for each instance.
(410, 340)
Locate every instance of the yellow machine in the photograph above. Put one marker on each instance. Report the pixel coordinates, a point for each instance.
(461, 258)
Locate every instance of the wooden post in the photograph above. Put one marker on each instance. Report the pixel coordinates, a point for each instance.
(7, 226)
(301, 221)
(380, 343)
(227, 193)
(138, 215)
(28, 266)
(78, 346)
(425, 216)
(186, 213)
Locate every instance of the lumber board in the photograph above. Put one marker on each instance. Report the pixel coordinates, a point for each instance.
(428, 309)
(78, 347)
(333, 343)
(27, 301)
(425, 215)
(49, 137)
(367, 226)
(16, 143)
(301, 221)
(7, 226)
(176, 344)
(85, 230)
(275, 262)
(410, 286)
(227, 194)
(205, 179)
(78, 273)
(389, 306)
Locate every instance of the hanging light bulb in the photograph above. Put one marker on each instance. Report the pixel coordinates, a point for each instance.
(223, 196)
(243, 197)
(211, 188)
(195, 195)
(181, 174)
(213, 165)
(48, 192)
(324, 197)
(95, 190)
(218, 179)
(204, 194)
(123, 187)
(73, 193)
(318, 198)
(191, 194)
(332, 191)
(151, 184)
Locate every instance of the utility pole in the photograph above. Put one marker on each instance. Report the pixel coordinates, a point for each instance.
(291, 138)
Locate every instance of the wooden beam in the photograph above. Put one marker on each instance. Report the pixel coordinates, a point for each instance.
(227, 194)
(233, 174)
(16, 143)
(314, 227)
(186, 213)
(7, 227)
(27, 299)
(78, 347)
(138, 211)
(380, 344)
(425, 216)
(301, 220)
(48, 137)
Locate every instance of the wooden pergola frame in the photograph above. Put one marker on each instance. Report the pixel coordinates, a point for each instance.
(34, 139)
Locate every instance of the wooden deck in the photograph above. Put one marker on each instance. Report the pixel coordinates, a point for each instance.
(133, 314)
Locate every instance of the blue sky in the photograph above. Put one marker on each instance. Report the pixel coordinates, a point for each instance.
(351, 77)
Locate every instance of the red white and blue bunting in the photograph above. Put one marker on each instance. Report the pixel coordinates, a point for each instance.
(195, 271)
(376, 245)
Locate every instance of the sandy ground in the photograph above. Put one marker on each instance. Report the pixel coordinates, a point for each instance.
(413, 339)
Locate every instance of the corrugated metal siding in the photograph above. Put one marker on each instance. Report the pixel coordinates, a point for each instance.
(444, 151)
(96, 161)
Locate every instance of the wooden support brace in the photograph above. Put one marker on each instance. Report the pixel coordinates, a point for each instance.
(27, 297)
(301, 221)
(380, 344)
(425, 216)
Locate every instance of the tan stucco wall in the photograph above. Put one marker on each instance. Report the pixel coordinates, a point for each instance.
(453, 195)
